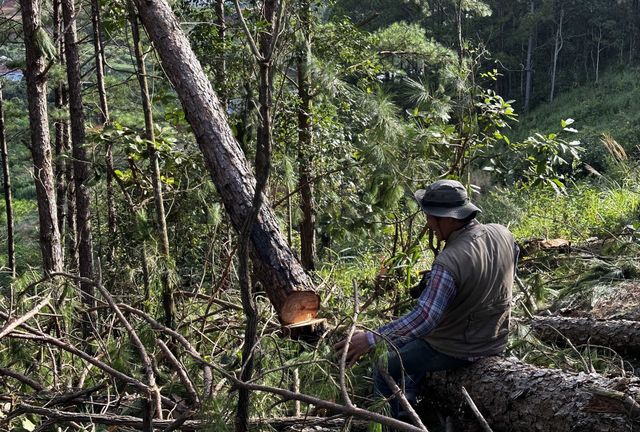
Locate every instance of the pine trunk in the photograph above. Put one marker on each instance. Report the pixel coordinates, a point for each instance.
(305, 159)
(516, 397)
(40, 146)
(168, 303)
(103, 119)
(275, 264)
(80, 163)
(622, 336)
(6, 177)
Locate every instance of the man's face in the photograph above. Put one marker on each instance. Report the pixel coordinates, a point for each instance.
(433, 223)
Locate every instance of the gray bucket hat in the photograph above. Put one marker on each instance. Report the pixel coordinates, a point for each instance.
(446, 198)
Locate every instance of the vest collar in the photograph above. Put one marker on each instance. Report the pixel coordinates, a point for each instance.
(454, 235)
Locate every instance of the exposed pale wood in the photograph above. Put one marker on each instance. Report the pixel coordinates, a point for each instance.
(300, 306)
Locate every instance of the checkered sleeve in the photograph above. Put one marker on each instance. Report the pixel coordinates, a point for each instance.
(419, 322)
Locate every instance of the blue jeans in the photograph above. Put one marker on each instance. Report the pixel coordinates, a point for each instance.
(418, 357)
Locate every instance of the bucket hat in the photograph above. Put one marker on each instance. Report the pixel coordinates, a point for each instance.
(446, 198)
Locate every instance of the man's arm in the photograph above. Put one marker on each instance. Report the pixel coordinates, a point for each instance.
(432, 303)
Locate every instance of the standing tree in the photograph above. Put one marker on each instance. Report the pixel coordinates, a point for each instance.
(168, 304)
(38, 52)
(305, 151)
(4, 156)
(557, 47)
(80, 163)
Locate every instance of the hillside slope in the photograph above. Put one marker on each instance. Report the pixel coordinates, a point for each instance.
(610, 107)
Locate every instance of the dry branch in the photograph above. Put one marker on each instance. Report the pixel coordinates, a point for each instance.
(13, 323)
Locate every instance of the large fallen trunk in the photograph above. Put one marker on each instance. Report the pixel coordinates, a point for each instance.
(514, 396)
(620, 335)
(276, 266)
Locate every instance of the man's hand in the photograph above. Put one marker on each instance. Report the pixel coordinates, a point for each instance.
(357, 348)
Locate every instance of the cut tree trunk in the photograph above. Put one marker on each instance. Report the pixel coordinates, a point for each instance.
(274, 263)
(514, 397)
(622, 336)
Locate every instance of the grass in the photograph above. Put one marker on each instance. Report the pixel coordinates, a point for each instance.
(610, 107)
(587, 209)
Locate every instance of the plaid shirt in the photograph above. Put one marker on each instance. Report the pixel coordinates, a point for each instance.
(433, 301)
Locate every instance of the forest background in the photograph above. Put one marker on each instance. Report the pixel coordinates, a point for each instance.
(346, 107)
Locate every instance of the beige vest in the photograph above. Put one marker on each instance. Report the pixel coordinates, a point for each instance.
(476, 323)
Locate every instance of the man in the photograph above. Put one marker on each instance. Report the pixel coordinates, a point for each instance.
(463, 312)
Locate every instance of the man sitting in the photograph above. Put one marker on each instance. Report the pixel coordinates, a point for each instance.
(463, 312)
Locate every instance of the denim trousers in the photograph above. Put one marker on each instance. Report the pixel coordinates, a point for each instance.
(412, 361)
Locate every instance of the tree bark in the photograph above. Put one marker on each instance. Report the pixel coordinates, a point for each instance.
(168, 303)
(80, 164)
(6, 182)
(517, 397)
(275, 264)
(622, 336)
(61, 131)
(36, 64)
(305, 152)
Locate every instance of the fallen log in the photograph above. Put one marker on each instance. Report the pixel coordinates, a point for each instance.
(513, 397)
(622, 336)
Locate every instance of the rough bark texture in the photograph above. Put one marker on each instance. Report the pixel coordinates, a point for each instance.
(40, 143)
(620, 335)
(61, 130)
(276, 266)
(514, 396)
(80, 162)
(6, 182)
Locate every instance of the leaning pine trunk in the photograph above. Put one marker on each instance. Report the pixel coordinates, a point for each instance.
(275, 264)
(516, 397)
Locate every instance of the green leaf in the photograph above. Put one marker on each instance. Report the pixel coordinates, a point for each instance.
(567, 122)
(27, 425)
